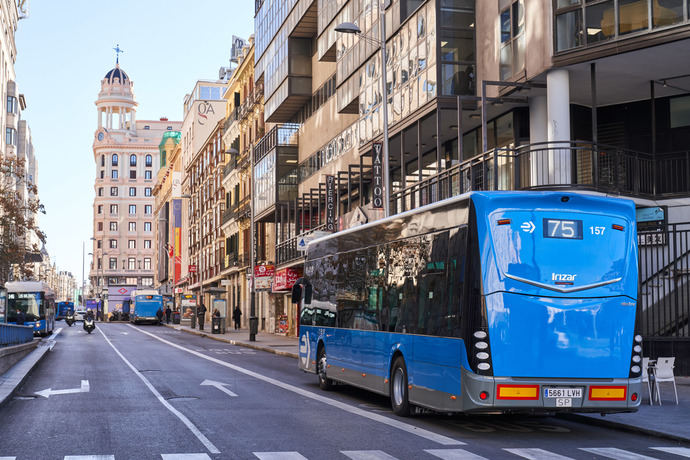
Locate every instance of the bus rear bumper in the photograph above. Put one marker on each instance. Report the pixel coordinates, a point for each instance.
(549, 395)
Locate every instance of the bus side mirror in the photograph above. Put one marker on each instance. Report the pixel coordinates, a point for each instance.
(307, 294)
(296, 293)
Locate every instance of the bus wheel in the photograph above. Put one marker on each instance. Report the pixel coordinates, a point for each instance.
(324, 382)
(399, 395)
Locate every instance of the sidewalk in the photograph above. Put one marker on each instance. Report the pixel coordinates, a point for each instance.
(668, 420)
(15, 376)
(272, 343)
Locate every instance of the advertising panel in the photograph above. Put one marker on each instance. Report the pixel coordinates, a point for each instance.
(285, 278)
(264, 277)
(177, 235)
(377, 176)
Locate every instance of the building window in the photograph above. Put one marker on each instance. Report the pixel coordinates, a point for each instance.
(100, 191)
(113, 209)
(147, 209)
(114, 159)
(102, 161)
(100, 264)
(147, 127)
(132, 244)
(112, 263)
(11, 104)
(113, 244)
(113, 174)
(10, 136)
(132, 160)
(132, 191)
(113, 191)
(147, 263)
(132, 226)
(131, 263)
(132, 209)
(149, 161)
(102, 174)
(147, 226)
(147, 244)
(146, 281)
(456, 34)
(113, 226)
(99, 243)
(147, 191)
(147, 174)
(100, 209)
(512, 53)
(100, 228)
(133, 174)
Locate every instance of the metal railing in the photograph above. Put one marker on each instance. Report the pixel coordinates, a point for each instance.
(285, 134)
(11, 334)
(286, 251)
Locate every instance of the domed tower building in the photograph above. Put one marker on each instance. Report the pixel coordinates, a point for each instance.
(127, 160)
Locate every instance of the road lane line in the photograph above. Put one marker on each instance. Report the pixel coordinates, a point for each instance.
(279, 456)
(454, 454)
(52, 337)
(89, 457)
(680, 451)
(367, 455)
(537, 454)
(185, 457)
(616, 454)
(188, 423)
(421, 432)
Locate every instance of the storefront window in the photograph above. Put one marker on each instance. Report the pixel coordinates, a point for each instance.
(667, 12)
(632, 16)
(569, 30)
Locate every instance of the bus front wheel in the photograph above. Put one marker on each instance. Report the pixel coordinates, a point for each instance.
(399, 395)
(321, 364)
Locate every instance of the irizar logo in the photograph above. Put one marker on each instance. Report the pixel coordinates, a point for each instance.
(562, 277)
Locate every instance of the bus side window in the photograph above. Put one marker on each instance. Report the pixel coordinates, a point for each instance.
(457, 248)
(433, 308)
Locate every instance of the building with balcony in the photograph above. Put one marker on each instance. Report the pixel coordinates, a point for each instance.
(126, 161)
(10, 14)
(243, 127)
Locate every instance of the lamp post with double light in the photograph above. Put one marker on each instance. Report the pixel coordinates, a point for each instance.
(352, 28)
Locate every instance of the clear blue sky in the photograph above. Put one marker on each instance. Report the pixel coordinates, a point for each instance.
(65, 48)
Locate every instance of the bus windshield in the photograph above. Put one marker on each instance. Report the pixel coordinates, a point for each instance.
(28, 302)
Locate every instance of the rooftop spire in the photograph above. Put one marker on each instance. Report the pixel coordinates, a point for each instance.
(118, 50)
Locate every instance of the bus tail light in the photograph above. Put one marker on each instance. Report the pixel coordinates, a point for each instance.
(483, 395)
(520, 392)
(633, 397)
(636, 357)
(607, 393)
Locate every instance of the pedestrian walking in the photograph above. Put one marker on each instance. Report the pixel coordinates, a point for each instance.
(201, 315)
(168, 312)
(159, 315)
(236, 316)
(21, 318)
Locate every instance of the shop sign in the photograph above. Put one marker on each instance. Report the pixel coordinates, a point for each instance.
(191, 268)
(264, 276)
(377, 176)
(330, 203)
(286, 278)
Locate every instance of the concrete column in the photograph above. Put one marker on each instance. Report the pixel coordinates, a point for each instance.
(538, 119)
(134, 119)
(558, 127)
(100, 117)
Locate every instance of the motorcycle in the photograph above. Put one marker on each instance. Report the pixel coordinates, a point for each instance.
(69, 319)
(89, 325)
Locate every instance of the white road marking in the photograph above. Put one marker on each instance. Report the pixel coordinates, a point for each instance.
(200, 436)
(680, 451)
(48, 392)
(426, 434)
(616, 454)
(219, 385)
(367, 455)
(454, 454)
(8, 458)
(536, 454)
(185, 457)
(89, 457)
(52, 337)
(279, 456)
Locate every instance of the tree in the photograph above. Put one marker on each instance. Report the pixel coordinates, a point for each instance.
(19, 205)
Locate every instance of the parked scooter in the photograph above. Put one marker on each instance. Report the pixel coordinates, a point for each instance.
(89, 325)
(69, 319)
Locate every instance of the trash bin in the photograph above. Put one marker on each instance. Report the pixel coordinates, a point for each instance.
(218, 325)
(176, 317)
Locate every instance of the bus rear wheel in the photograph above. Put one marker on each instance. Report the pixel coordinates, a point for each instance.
(399, 396)
(321, 364)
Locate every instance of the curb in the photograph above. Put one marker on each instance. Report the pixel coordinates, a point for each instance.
(235, 342)
(579, 418)
(17, 374)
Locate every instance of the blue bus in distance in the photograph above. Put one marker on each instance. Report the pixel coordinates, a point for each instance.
(488, 302)
(63, 308)
(144, 305)
(37, 300)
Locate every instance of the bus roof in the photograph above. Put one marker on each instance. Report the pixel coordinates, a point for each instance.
(28, 286)
(137, 292)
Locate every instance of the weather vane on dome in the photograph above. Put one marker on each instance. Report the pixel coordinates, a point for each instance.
(118, 50)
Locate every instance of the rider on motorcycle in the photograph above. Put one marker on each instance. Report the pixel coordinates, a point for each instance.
(89, 315)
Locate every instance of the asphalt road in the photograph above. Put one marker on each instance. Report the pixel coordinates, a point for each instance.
(148, 392)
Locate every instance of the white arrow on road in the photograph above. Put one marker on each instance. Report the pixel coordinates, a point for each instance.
(528, 226)
(219, 385)
(47, 393)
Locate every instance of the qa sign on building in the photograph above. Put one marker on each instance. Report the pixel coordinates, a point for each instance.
(377, 176)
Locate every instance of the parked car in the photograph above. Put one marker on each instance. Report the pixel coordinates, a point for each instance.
(79, 314)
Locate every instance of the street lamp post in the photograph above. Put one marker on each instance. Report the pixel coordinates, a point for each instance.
(351, 28)
(253, 320)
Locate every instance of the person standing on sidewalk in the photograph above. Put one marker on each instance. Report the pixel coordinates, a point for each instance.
(201, 315)
(236, 315)
(168, 312)
(159, 315)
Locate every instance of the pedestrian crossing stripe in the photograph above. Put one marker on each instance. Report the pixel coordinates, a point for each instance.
(185, 457)
(681, 451)
(615, 453)
(367, 455)
(454, 454)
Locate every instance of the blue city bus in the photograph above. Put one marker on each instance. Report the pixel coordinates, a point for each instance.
(488, 302)
(144, 305)
(63, 308)
(36, 300)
